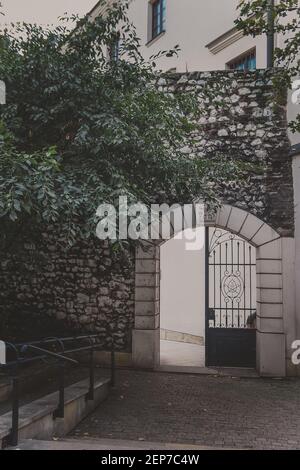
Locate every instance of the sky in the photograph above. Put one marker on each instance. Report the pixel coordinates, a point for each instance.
(42, 11)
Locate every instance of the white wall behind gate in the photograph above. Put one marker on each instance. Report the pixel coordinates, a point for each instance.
(182, 299)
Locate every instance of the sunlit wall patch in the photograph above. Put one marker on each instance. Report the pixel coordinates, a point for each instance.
(2, 353)
(2, 92)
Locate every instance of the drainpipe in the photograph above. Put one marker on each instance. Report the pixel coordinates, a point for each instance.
(270, 35)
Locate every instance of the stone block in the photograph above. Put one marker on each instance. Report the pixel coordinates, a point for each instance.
(271, 354)
(145, 348)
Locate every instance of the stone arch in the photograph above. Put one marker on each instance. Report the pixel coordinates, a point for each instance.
(270, 323)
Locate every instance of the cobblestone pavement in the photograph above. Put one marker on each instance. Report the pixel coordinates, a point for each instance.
(202, 410)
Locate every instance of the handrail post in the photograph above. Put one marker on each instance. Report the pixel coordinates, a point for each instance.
(14, 438)
(90, 395)
(60, 412)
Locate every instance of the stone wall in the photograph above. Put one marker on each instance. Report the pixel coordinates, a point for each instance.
(87, 288)
(244, 118)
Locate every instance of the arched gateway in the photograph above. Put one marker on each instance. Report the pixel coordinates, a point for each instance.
(269, 250)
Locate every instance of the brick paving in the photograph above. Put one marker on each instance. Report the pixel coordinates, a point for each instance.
(199, 410)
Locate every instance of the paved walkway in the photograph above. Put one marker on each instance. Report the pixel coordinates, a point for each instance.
(199, 410)
(101, 444)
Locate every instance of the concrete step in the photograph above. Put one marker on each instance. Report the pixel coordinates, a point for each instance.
(37, 420)
(31, 378)
(102, 444)
(40, 380)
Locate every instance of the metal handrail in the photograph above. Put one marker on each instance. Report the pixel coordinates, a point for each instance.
(51, 354)
(38, 348)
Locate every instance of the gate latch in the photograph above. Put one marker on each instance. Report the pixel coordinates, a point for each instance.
(211, 314)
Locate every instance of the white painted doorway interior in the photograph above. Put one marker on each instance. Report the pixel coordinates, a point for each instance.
(182, 309)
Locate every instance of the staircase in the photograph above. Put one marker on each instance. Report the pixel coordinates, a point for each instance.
(38, 419)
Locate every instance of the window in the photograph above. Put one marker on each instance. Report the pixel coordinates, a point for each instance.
(114, 50)
(244, 62)
(158, 17)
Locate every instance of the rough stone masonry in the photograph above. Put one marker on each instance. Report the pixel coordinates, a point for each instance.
(244, 118)
(88, 288)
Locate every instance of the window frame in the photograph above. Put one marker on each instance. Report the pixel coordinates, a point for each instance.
(248, 55)
(114, 49)
(158, 18)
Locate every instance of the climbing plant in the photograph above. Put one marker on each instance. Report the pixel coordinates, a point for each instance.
(254, 21)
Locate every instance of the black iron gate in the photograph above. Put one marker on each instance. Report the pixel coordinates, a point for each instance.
(230, 300)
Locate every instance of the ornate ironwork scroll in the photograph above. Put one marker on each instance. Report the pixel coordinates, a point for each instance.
(232, 280)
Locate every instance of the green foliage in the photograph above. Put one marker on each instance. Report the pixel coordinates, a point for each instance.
(79, 130)
(254, 21)
(34, 190)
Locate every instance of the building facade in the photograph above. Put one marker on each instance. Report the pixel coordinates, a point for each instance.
(87, 290)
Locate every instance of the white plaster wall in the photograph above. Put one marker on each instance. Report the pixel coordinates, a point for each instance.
(193, 24)
(182, 301)
(292, 112)
(296, 170)
(42, 11)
